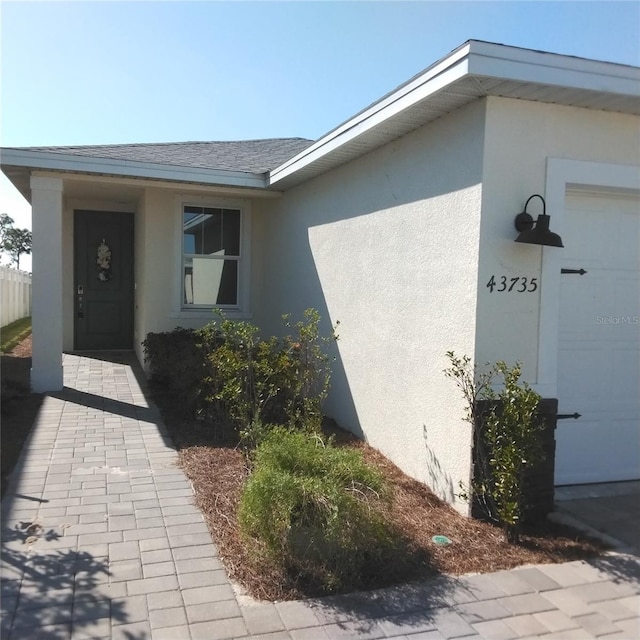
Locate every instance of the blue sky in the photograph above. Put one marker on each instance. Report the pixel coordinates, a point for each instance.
(115, 72)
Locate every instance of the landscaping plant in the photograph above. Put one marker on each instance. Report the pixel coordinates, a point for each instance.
(177, 361)
(309, 373)
(507, 437)
(269, 381)
(244, 375)
(227, 373)
(313, 510)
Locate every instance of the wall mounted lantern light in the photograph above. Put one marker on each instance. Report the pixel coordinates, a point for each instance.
(536, 232)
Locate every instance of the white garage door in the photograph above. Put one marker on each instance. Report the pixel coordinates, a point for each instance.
(599, 340)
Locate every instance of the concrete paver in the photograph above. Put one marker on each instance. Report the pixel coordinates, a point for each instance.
(100, 539)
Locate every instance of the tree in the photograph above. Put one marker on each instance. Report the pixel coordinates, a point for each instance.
(6, 223)
(14, 242)
(19, 243)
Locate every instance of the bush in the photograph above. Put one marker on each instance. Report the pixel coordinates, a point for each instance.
(225, 372)
(507, 438)
(177, 361)
(314, 510)
(264, 381)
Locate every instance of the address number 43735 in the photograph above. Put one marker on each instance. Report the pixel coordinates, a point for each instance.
(519, 284)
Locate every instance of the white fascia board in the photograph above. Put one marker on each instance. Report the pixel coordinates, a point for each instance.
(480, 59)
(128, 168)
(537, 67)
(422, 86)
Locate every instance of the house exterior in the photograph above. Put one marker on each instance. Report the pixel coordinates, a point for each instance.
(399, 224)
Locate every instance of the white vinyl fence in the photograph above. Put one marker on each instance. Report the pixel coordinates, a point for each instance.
(15, 295)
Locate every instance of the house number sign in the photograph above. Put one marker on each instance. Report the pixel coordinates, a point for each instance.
(519, 284)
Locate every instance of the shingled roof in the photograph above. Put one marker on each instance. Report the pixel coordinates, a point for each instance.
(252, 156)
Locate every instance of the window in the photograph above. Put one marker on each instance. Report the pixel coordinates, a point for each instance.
(210, 257)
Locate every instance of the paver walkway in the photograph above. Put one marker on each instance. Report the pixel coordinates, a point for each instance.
(100, 540)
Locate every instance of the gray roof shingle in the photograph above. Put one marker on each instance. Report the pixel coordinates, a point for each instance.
(251, 156)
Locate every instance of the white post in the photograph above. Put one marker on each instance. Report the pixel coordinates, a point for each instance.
(46, 204)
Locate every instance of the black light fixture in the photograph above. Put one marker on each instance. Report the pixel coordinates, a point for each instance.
(536, 232)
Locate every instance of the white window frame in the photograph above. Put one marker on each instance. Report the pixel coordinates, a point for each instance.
(239, 310)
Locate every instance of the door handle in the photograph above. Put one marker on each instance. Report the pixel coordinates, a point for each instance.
(80, 291)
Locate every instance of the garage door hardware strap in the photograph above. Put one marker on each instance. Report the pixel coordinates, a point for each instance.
(564, 416)
(579, 271)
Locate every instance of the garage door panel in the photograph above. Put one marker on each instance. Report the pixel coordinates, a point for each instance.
(575, 443)
(580, 306)
(611, 222)
(628, 242)
(626, 300)
(599, 341)
(604, 305)
(625, 393)
(583, 393)
(581, 227)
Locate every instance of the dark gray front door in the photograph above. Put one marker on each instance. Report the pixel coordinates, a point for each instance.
(103, 288)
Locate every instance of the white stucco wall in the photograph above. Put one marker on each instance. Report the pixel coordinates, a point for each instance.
(520, 138)
(156, 247)
(388, 246)
(158, 261)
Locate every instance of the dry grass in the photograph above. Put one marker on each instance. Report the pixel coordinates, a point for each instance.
(219, 470)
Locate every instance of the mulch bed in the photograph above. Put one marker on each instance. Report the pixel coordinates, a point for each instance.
(218, 472)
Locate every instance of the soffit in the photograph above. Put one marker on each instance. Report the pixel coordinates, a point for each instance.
(449, 99)
(473, 71)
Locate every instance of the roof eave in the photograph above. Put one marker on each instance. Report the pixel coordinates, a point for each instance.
(432, 80)
(475, 60)
(68, 163)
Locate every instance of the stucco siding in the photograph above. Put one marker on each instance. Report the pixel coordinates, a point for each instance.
(520, 138)
(140, 270)
(388, 246)
(68, 293)
(158, 292)
(156, 275)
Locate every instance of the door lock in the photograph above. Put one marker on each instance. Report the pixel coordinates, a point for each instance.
(80, 291)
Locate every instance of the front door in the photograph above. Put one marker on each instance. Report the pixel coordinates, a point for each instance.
(103, 287)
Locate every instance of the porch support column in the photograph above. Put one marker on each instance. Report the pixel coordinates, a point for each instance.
(46, 205)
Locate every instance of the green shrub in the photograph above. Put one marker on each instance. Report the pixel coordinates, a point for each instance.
(241, 374)
(512, 432)
(226, 373)
(313, 509)
(178, 361)
(265, 381)
(507, 438)
(307, 372)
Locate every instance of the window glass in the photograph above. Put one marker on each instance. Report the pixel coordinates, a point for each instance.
(211, 252)
(210, 282)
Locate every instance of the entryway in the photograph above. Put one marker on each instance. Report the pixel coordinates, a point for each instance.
(103, 280)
